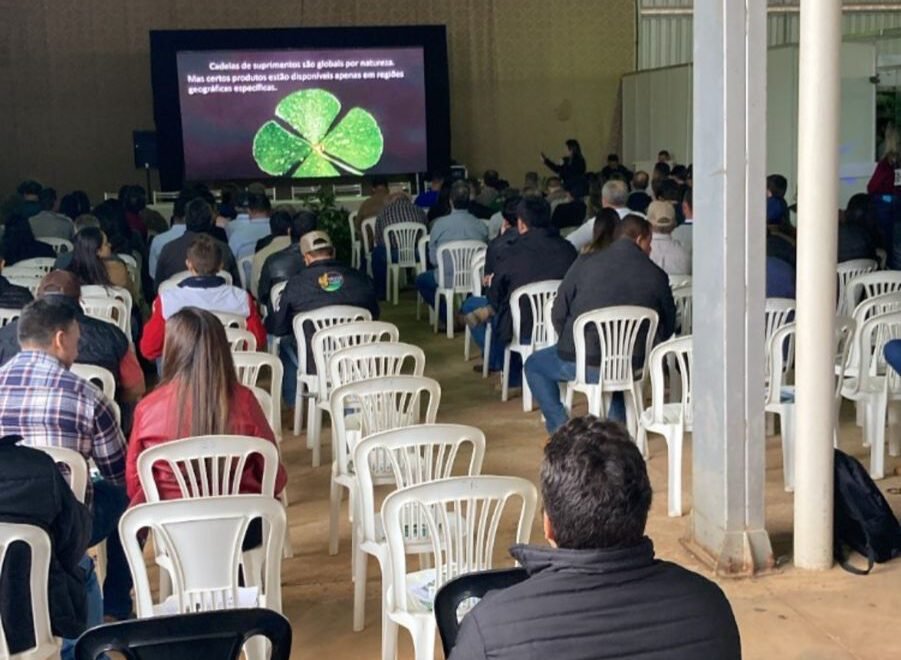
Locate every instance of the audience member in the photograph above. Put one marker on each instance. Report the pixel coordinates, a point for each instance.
(397, 208)
(776, 206)
(30, 193)
(134, 201)
(596, 590)
(11, 295)
(665, 251)
(198, 220)
(660, 173)
(571, 169)
(605, 224)
(74, 204)
(856, 239)
(497, 221)
(228, 199)
(458, 225)
(682, 233)
(614, 195)
(21, 243)
(442, 205)
(569, 214)
(613, 166)
(669, 190)
(278, 239)
(663, 156)
(531, 180)
(622, 274)
(884, 180)
(490, 189)
(323, 281)
(639, 198)
(204, 289)
(284, 264)
(176, 230)
(49, 223)
(428, 198)
(63, 259)
(244, 234)
(555, 193)
(199, 394)
(780, 278)
(48, 405)
(93, 262)
(372, 205)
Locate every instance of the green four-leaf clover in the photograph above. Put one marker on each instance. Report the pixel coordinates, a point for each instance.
(310, 146)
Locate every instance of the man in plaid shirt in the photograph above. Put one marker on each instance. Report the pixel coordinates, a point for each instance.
(398, 208)
(46, 404)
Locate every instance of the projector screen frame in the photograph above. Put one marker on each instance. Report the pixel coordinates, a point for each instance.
(165, 44)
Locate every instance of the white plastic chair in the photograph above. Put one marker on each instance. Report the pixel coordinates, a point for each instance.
(671, 419)
(476, 276)
(46, 646)
(275, 301)
(369, 406)
(355, 245)
(76, 468)
(240, 339)
(678, 281)
(616, 330)
(422, 265)
(845, 272)
(869, 285)
(549, 328)
(367, 236)
(402, 237)
(29, 280)
(325, 342)
(110, 310)
(865, 310)
(307, 383)
(9, 315)
(59, 245)
(462, 516)
(683, 300)
(116, 292)
(229, 320)
(415, 454)
(97, 375)
(44, 264)
(245, 266)
(778, 312)
(249, 366)
(538, 295)
(356, 363)
(454, 277)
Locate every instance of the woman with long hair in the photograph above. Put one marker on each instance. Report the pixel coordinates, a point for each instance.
(93, 261)
(602, 233)
(571, 169)
(199, 394)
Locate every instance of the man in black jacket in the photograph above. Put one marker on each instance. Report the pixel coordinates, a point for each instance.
(11, 295)
(324, 281)
(33, 492)
(286, 263)
(598, 591)
(622, 274)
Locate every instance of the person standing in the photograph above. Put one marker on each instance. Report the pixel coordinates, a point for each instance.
(571, 169)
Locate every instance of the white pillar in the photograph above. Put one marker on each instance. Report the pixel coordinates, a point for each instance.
(818, 130)
(729, 155)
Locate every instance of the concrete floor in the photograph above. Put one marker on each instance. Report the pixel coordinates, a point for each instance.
(785, 614)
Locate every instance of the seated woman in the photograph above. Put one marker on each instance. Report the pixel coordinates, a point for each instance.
(199, 394)
(93, 262)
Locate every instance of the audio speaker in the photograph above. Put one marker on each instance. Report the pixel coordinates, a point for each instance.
(145, 149)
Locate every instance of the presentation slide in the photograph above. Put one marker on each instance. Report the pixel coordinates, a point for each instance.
(303, 114)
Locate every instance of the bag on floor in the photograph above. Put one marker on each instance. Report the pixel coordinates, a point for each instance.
(863, 520)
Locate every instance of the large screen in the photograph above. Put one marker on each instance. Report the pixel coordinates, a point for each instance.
(299, 103)
(302, 113)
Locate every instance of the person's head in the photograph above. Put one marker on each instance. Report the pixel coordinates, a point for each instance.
(50, 326)
(688, 209)
(204, 256)
(663, 156)
(776, 186)
(594, 487)
(510, 212)
(75, 204)
(135, 199)
(661, 171)
(605, 223)
(229, 193)
(29, 190)
(615, 194)
(640, 180)
(258, 205)
(636, 229)
(459, 195)
(316, 246)
(60, 283)
(574, 148)
(197, 358)
(679, 173)
(111, 214)
(280, 222)
(379, 184)
(670, 191)
(179, 208)
(532, 213)
(612, 160)
(47, 199)
(531, 180)
(491, 178)
(302, 223)
(436, 181)
(90, 248)
(553, 184)
(17, 231)
(858, 209)
(198, 216)
(256, 188)
(662, 216)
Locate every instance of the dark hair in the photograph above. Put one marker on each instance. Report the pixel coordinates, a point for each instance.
(632, 227)
(280, 222)
(301, 223)
(17, 235)
(669, 190)
(605, 223)
(198, 215)
(459, 195)
(612, 157)
(47, 198)
(640, 177)
(534, 212)
(42, 319)
(777, 185)
(29, 187)
(687, 197)
(111, 215)
(85, 263)
(229, 193)
(661, 170)
(74, 204)
(179, 206)
(205, 255)
(379, 182)
(574, 146)
(595, 486)
(491, 178)
(663, 152)
(135, 199)
(679, 172)
(858, 209)
(511, 209)
(258, 202)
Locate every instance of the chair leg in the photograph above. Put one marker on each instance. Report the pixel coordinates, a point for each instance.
(876, 422)
(641, 441)
(467, 340)
(674, 470)
(298, 407)
(389, 634)
(335, 492)
(396, 286)
(314, 430)
(486, 353)
(449, 315)
(359, 573)
(505, 376)
(894, 442)
(433, 314)
(424, 640)
(631, 401)
(770, 424)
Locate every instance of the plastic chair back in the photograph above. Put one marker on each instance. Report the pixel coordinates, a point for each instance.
(779, 312)
(538, 294)
(868, 308)
(211, 635)
(324, 317)
(422, 254)
(207, 465)
(845, 328)
(31, 280)
(871, 284)
(683, 300)
(350, 365)
(203, 539)
(117, 292)
(59, 245)
(847, 271)
(458, 594)
(549, 327)
(462, 516)
(275, 295)
(367, 238)
(875, 333)
(8, 315)
(44, 264)
(249, 366)
(98, 376)
(230, 320)
(110, 310)
(680, 350)
(358, 333)
(75, 468)
(617, 330)
(678, 281)
(780, 359)
(240, 339)
(403, 237)
(45, 644)
(455, 265)
(478, 274)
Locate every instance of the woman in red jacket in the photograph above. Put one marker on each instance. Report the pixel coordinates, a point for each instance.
(199, 395)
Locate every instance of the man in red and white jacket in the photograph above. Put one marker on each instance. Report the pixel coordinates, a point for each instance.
(203, 289)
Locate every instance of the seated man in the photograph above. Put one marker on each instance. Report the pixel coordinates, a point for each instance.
(622, 274)
(244, 234)
(198, 220)
(683, 233)
(205, 290)
(284, 264)
(279, 239)
(596, 590)
(372, 205)
(50, 223)
(100, 342)
(639, 198)
(539, 253)
(666, 252)
(48, 405)
(614, 195)
(12, 296)
(324, 281)
(459, 225)
(428, 198)
(398, 208)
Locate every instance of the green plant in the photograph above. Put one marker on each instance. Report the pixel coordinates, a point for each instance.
(333, 220)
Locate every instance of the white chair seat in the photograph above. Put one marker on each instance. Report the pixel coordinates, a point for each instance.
(672, 414)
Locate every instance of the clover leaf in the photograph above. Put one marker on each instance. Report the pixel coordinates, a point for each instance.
(308, 145)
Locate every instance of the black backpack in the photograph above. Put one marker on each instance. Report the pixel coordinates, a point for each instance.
(863, 519)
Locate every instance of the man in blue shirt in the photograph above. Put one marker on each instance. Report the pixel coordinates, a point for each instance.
(428, 198)
(177, 230)
(244, 234)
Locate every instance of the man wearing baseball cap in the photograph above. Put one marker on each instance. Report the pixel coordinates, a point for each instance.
(666, 252)
(324, 281)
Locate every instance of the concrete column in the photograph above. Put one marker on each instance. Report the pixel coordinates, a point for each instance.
(818, 131)
(729, 155)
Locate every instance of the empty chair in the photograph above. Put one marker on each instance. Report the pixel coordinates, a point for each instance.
(454, 277)
(617, 331)
(778, 312)
(45, 645)
(367, 238)
(59, 245)
(250, 366)
(369, 406)
(845, 272)
(869, 285)
(401, 240)
(462, 517)
(240, 339)
(414, 454)
(866, 309)
(97, 375)
(366, 361)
